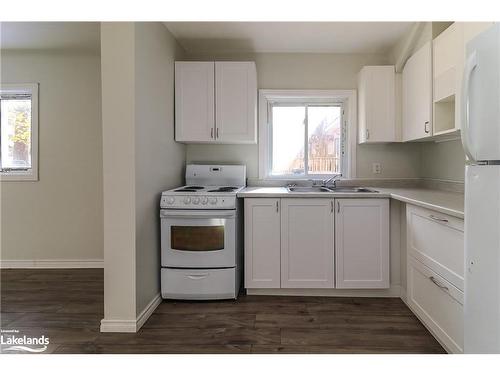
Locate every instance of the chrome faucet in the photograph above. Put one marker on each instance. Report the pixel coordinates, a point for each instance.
(333, 180)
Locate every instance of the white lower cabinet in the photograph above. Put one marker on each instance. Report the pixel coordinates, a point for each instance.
(262, 243)
(435, 273)
(437, 240)
(313, 243)
(437, 303)
(362, 243)
(307, 231)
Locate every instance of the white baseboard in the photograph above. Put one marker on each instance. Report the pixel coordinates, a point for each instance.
(148, 311)
(116, 325)
(393, 291)
(131, 325)
(52, 263)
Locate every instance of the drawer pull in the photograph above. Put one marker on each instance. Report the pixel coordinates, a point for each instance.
(440, 219)
(433, 279)
(197, 277)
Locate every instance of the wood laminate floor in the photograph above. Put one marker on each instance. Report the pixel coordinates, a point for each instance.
(67, 306)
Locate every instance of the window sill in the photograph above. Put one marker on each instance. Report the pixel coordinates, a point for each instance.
(17, 177)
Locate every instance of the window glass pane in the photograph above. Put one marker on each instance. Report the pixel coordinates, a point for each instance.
(324, 139)
(16, 133)
(288, 140)
(197, 238)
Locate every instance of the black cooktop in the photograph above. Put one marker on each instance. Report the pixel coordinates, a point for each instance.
(224, 189)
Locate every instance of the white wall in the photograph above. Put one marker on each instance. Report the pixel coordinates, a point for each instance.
(58, 217)
(118, 129)
(311, 71)
(138, 105)
(159, 161)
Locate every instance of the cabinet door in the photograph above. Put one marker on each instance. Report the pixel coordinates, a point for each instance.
(236, 102)
(307, 230)
(417, 95)
(377, 115)
(194, 102)
(437, 303)
(362, 243)
(262, 243)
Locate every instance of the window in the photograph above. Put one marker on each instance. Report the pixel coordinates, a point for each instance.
(18, 132)
(306, 134)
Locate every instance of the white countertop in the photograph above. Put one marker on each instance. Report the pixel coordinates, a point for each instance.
(441, 201)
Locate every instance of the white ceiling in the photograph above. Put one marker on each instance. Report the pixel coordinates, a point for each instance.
(313, 37)
(50, 35)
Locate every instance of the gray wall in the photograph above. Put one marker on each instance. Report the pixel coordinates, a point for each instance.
(159, 161)
(445, 160)
(58, 217)
(312, 71)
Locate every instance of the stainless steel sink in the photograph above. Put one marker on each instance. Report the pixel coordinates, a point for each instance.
(309, 189)
(323, 189)
(352, 189)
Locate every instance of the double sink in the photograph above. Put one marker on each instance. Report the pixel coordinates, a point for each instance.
(325, 189)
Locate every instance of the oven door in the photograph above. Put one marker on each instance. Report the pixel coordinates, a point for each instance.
(198, 239)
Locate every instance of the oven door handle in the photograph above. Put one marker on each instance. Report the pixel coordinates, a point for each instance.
(196, 214)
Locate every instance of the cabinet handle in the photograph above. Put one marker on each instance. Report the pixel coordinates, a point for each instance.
(338, 206)
(217, 133)
(277, 207)
(426, 129)
(440, 219)
(212, 133)
(367, 134)
(431, 278)
(331, 206)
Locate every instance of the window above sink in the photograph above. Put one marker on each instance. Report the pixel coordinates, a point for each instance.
(307, 134)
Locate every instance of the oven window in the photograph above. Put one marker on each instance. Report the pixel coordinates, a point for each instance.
(197, 238)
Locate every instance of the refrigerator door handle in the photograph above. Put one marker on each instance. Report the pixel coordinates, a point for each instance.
(470, 65)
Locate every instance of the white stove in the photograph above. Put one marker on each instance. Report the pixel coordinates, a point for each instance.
(201, 197)
(201, 227)
(208, 187)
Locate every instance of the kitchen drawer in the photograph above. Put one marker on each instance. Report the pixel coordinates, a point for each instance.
(437, 303)
(198, 283)
(437, 240)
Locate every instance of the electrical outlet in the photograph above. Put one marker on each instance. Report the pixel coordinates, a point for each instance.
(376, 168)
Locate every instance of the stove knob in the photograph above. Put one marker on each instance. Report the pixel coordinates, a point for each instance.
(187, 200)
(170, 200)
(196, 200)
(204, 200)
(213, 200)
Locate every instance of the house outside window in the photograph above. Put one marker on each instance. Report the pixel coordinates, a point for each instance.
(306, 134)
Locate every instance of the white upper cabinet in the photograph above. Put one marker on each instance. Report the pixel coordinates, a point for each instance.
(194, 101)
(446, 79)
(235, 102)
(417, 95)
(362, 243)
(377, 105)
(215, 102)
(446, 49)
(307, 244)
(262, 243)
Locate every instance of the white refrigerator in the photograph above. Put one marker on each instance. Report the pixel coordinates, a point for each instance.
(481, 141)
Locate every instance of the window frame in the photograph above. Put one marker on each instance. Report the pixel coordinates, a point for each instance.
(345, 98)
(31, 89)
